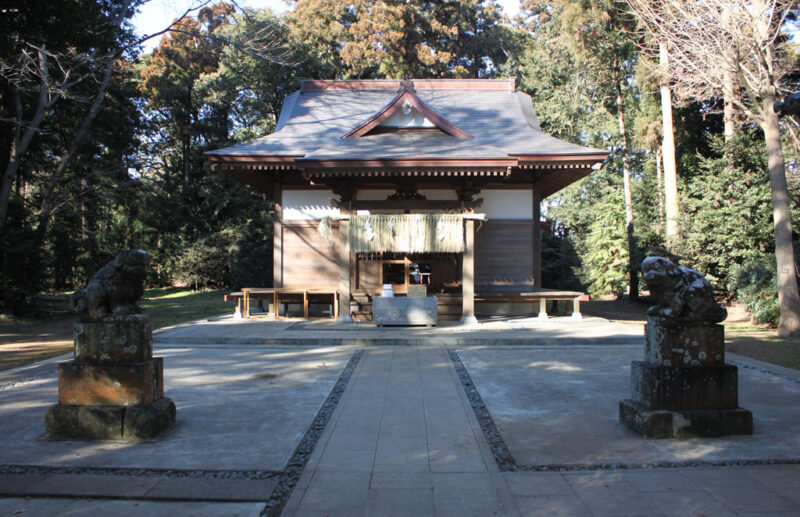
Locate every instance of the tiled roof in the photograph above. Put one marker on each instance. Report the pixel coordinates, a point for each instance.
(314, 121)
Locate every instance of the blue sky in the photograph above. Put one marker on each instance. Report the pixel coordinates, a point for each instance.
(155, 15)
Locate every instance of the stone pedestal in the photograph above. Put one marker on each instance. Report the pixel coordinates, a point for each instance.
(114, 388)
(684, 388)
(404, 311)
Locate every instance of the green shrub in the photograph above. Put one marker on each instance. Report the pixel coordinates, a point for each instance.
(207, 261)
(755, 286)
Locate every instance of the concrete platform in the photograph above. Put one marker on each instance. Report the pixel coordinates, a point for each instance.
(404, 438)
(559, 406)
(240, 409)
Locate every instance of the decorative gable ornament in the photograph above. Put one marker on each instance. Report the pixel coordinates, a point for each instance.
(407, 110)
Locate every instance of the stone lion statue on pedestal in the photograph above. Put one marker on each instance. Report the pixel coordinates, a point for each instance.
(114, 289)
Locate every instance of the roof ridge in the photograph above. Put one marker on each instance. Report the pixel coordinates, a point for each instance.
(506, 84)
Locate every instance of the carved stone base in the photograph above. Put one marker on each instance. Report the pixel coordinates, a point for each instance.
(126, 339)
(110, 384)
(679, 388)
(63, 422)
(659, 423)
(114, 388)
(683, 342)
(684, 389)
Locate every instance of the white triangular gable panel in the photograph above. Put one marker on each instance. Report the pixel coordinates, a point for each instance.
(407, 116)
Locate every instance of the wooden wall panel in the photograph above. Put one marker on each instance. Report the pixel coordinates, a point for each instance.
(369, 277)
(504, 256)
(446, 275)
(308, 259)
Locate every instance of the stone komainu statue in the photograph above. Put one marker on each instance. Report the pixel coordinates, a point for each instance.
(789, 106)
(114, 289)
(680, 292)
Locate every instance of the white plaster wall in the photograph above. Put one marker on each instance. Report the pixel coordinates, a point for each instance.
(507, 204)
(307, 205)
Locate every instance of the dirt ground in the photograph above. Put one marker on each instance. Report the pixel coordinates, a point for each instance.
(741, 337)
(632, 313)
(28, 342)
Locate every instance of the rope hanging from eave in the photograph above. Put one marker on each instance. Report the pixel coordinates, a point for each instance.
(401, 233)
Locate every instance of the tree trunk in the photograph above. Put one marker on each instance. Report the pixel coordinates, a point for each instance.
(659, 187)
(730, 90)
(730, 87)
(668, 151)
(633, 275)
(5, 191)
(186, 169)
(784, 250)
(729, 116)
(88, 212)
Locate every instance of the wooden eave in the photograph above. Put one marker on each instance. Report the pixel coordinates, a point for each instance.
(406, 162)
(387, 111)
(408, 172)
(560, 161)
(252, 159)
(408, 204)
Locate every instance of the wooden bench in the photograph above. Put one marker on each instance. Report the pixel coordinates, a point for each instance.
(235, 297)
(573, 299)
(244, 297)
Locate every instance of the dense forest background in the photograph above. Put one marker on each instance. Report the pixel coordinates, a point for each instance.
(102, 145)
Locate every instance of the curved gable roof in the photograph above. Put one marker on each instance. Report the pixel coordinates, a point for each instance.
(322, 117)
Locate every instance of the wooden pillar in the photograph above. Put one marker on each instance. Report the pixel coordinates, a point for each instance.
(277, 242)
(343, 258)
(468, 274)
(537, 239)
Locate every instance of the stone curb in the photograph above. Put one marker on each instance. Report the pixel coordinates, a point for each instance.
(437, 341)
(157, 488)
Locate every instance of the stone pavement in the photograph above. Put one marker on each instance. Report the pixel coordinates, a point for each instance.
(405, 441)
(403, 438)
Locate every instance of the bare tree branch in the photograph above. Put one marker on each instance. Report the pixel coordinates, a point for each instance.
(712, 43)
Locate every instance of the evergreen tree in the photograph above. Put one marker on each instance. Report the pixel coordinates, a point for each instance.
(577, 64)
(728, 209)
(402, 38)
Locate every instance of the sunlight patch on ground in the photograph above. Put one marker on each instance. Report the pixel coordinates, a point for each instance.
(694, 450)
(555, 366)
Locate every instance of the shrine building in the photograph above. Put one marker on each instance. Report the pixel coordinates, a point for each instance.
(434, 183)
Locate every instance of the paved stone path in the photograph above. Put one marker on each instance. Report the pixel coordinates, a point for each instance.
(404, 441)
